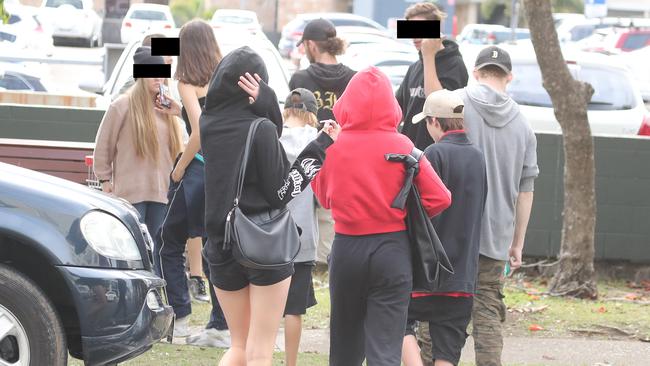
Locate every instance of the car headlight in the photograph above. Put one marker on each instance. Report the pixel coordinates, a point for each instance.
(109, 236)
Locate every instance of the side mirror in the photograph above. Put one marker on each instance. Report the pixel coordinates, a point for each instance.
(94, 86)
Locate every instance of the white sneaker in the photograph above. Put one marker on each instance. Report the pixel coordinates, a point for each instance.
(210, 338)
(182, 327)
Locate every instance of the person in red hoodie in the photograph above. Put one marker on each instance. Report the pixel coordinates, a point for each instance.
(370, 272)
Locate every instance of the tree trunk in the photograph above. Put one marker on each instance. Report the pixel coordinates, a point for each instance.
(575, 276)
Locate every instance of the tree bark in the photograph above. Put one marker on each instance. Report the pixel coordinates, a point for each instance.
(575, 275)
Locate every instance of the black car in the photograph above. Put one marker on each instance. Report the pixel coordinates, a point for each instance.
(75, 275)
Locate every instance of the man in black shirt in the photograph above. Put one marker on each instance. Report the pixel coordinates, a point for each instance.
(440, 66)
(325, 77)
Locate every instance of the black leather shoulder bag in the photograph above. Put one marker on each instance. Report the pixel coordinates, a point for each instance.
(427, 253)
(265, 240)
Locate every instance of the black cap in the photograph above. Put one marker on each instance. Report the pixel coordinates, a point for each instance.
(318, 30)
(143, 56)
(301, 98)
(496, 56)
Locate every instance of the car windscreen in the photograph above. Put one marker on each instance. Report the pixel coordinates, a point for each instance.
(148, 15)
(635, 41)
(232, 19)
(612, 88)
(56, 3)
(505, 36)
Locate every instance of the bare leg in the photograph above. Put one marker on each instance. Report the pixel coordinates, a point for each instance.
(292, 333)
(267, 305)
(411, 352)
(236, 308)
(194, 247)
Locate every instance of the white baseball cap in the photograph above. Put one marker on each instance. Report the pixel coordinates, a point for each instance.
(441, 104)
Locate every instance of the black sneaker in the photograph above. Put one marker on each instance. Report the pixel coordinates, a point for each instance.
(198, 290)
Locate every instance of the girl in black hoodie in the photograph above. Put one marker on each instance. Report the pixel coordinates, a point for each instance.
(253, 300)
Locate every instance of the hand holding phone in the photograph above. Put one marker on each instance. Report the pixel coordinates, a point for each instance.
(162, 98)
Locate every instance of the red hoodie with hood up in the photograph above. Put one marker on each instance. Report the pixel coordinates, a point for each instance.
(356, 182)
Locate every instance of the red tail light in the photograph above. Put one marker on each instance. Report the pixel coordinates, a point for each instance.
(645, 126)
(127, 24)
(168, 26)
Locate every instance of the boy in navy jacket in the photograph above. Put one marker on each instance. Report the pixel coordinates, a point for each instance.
(461, 166)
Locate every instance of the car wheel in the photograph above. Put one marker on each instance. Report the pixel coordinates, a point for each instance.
(31, 333)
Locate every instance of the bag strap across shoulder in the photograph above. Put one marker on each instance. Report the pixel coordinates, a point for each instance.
(244, 163)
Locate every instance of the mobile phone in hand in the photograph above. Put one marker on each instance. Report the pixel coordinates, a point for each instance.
(162, 98)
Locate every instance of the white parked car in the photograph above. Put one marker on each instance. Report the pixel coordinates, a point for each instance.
(25, 32)
(278, 74)
(144, 19)
(235, 20)
(73, 20)
(363, 42)
(638, 63)
(616, 108)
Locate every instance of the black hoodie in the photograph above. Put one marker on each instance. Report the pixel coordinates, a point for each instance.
(270, 180)
(452, 75)
(327, 82)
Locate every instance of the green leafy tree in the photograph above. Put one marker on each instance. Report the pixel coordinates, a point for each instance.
(185, 10)
(4, 16)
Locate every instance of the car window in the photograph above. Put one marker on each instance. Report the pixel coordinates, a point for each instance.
(12, 82)
(35, 83)
(580, 32)
(636, 41)
(148, 15)
(8, 37)
(13, 19)
(612, 88)
(56, 3)
(233, 19)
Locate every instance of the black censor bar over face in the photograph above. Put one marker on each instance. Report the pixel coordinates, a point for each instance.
(419, 29)
(159, 47)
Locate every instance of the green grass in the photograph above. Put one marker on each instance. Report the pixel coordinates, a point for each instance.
(566, 315)
(181, 355)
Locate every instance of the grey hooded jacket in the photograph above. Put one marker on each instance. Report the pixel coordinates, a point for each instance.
(496, 126)
(303, 206)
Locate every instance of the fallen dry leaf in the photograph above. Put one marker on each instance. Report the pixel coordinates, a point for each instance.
(633, 296)
(601, 310)
(533, 297)
(535, 327)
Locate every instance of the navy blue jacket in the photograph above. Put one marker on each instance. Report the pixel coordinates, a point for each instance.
(461, 166)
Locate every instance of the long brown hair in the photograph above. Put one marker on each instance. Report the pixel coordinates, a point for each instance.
(199, 54)
(143, 124)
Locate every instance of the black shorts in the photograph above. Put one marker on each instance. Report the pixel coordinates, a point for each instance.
(301, 293)
(228, 275)
(448, 319)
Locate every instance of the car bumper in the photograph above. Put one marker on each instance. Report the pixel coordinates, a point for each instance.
(87, 32)
(122, 313)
